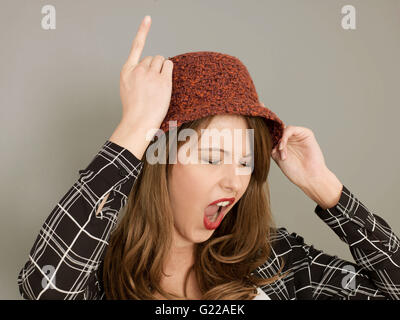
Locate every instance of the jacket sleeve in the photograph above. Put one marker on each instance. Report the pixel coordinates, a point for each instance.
(72, 241)
(372, 243)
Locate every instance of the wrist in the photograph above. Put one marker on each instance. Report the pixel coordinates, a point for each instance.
(325, 190)
(131, 138)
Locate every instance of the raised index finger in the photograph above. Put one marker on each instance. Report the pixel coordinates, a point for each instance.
(139, 42)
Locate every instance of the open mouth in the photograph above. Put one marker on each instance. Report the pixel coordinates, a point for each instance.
(213, 215)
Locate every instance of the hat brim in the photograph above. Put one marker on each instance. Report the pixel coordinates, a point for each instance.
(274, 123)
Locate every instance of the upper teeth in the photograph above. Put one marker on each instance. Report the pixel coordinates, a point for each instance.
(223, 203)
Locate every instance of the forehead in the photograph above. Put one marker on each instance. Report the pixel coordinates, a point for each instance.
(226, 131)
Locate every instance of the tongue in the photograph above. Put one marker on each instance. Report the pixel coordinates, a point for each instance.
(211, 210)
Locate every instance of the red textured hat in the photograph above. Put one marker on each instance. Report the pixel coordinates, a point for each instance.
(207, 83)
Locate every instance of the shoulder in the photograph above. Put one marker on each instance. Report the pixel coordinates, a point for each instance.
(281, 239)
(287, 247)
(282, 235)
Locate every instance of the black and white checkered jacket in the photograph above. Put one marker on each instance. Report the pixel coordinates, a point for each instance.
(65, 261)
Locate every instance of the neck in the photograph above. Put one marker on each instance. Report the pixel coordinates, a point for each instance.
(181, 254)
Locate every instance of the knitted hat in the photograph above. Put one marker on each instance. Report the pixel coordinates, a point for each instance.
(207, 83)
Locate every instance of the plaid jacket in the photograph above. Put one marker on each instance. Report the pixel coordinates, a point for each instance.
(65, 261)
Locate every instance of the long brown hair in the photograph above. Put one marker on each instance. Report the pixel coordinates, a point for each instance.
(224, 264)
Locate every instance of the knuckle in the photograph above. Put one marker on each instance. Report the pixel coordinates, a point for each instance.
(124, 67)
(123, 73)
(140, 68)
(145, 59)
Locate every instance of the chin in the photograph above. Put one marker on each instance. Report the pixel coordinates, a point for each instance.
(202, 237)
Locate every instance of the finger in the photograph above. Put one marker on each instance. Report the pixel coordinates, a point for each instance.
(157, 63)
(282, 153)
(275, 155)
(139, 41)
(146, 61)
(284, 138)
(167, 67)
(287, 133)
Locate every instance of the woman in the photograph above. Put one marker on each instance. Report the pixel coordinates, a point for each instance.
(171, 242)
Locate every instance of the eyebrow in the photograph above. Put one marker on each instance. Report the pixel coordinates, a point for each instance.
(224, 151)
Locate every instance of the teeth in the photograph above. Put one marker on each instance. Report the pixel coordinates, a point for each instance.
(223, 203)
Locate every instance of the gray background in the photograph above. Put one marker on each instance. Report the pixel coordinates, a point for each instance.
(59, 97)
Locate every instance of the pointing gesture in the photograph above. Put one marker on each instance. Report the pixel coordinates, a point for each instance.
(145, 90)
(139, 42)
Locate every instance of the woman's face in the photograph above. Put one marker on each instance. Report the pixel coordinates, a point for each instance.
(194, 186)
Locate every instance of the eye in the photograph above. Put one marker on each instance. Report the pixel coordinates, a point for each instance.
(245, 164)
(210, 162)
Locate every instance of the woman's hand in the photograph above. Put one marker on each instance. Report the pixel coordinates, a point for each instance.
(145, 90)
(300, 157)
(301, 160)
(145, 86)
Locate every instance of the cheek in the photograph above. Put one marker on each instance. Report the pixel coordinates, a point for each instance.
(245, 184)
(247, 181)
(187, 187)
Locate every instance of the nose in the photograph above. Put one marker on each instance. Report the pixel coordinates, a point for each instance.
(231, 181)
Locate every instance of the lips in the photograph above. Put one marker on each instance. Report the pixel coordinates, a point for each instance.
(231, 200)
(211, 225)
(212, 209)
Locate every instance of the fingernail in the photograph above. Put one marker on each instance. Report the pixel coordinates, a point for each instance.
(281, 146)
(283, 155)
